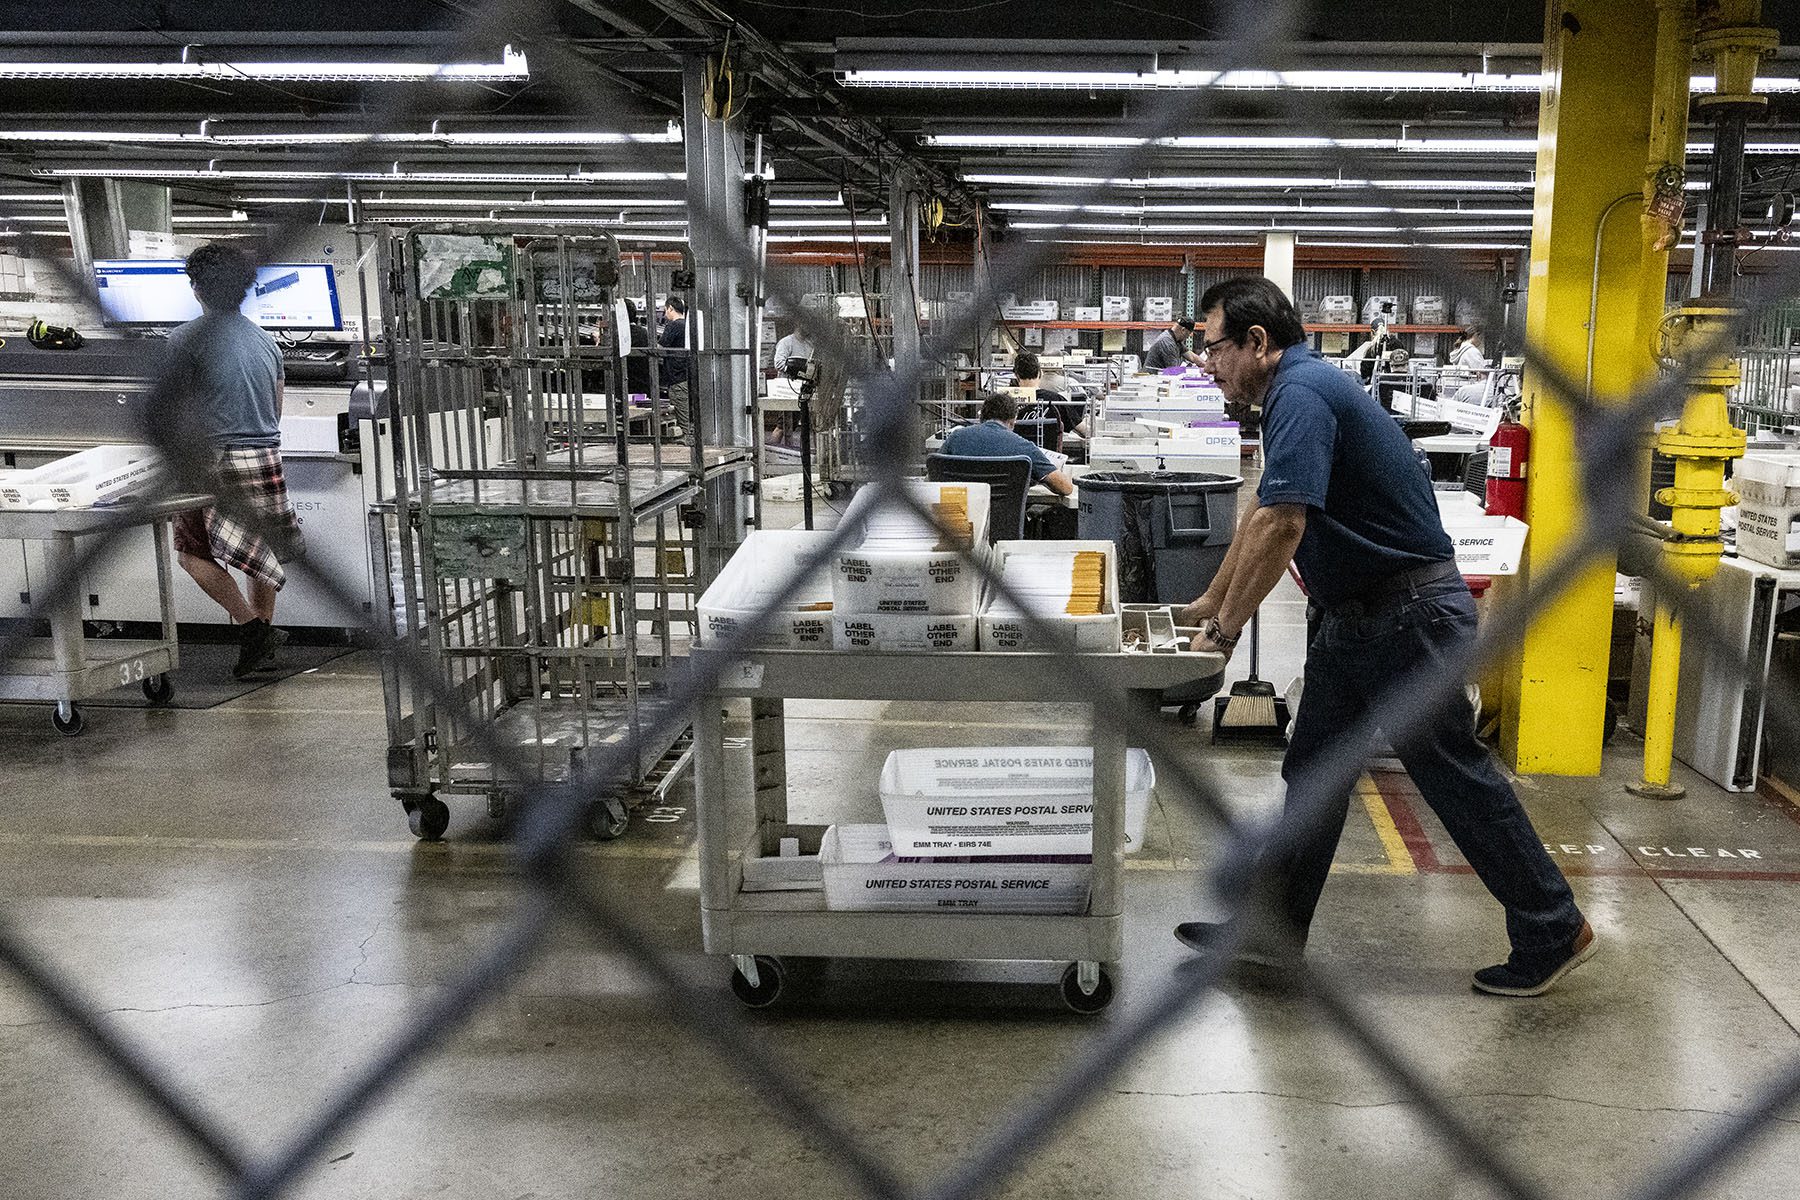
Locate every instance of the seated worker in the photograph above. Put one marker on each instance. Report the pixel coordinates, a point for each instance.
(1072, 416)
(1170, 349)
(994, 438)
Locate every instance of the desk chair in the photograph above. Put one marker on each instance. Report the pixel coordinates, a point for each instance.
(1008, 479)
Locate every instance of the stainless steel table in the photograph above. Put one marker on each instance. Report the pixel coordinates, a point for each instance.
(67, 666)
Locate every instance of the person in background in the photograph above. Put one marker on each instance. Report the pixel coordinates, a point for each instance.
(994, 438)
(1468, 354)
(1342, 498)
(637, 365)
(675, 367)
(226, 380)
(1028, 373)
(1170, 349)
(792, 344)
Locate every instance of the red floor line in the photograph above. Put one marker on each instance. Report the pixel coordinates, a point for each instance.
(1424, 854)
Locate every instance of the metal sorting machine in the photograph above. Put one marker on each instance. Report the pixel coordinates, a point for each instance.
(535, 538)
(756, 928)
(57, 402)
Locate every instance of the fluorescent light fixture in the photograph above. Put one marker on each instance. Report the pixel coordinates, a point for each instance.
(1316, 209)
(585, 222)
(1124, 227)
(1308, 80)
(1053, 141)
(230, 218)
(1251, 182)
(835, 238)
(577, 176)
(669, 136)
(1299, 80)
(871, 221)
(512, 66)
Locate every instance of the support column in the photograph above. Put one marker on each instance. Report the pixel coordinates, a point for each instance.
(903, 269)
(1595, 118)
(720, 320)
(1278, 260)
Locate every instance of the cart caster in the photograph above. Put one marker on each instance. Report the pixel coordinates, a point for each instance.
(68, 719)
(159, 689)
(1090, 994)
(427, 817)
(607, 819)
(757, 979)
(1189, 714)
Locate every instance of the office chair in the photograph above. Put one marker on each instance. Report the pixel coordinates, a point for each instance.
(1040, 431)
(1007, 480)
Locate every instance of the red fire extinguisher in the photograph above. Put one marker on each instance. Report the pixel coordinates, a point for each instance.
(1507, 460)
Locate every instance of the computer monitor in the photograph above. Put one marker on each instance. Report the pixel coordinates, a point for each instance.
(287, 297)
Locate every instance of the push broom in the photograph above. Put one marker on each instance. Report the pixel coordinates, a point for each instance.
(1251, 710)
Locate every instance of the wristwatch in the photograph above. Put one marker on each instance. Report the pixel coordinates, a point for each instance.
(1217, 636)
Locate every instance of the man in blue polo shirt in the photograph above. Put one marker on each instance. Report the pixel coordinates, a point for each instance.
(994, 438)
(1343, 497)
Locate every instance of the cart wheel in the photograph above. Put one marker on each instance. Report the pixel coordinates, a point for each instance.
(1082, 1002)
(607, 819)
(159, 689)
(427, 817)
(1189, 714)
(769, 979)
(70, 725)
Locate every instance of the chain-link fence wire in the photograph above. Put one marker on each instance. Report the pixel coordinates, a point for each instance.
(552, 816)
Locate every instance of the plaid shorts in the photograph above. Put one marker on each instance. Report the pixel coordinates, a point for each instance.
(252, 477)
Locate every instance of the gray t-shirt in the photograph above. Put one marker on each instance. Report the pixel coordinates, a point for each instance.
(1165, 351)
(231, 371)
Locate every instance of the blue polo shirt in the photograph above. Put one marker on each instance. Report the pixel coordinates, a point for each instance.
(1328, 445)
(991, 439)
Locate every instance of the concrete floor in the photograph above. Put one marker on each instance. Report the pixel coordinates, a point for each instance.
(237, 892)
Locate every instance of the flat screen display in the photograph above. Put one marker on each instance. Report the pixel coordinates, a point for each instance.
(295, 297)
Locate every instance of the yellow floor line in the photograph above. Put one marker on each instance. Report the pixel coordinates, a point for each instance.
(1399, 858)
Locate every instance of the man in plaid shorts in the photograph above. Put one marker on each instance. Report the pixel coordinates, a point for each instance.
(227, 376)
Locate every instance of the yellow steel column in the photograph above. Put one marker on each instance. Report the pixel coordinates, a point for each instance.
(1587, 256)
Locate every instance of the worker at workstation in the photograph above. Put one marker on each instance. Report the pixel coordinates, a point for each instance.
(1028, 374)
(675, 367)
(1342, 498)
(227, 378)
(993, 437)
(1170, 349)
(1468, 355)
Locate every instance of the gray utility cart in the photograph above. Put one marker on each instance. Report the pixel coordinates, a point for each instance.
(68, 667)
(756, 928)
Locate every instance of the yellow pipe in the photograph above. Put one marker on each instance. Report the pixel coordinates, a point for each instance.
(1659, 728)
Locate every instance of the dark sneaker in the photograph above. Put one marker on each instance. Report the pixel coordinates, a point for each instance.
(276, 643)
(256, 643)
(1203, 936)
(1535, 974)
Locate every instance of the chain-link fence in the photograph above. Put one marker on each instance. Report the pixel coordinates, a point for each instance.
(552, 815)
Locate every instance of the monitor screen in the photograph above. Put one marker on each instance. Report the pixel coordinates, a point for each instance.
(154, 291)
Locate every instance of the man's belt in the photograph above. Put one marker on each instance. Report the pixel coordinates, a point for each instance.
(1402, 584)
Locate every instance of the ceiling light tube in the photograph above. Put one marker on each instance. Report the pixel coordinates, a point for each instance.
(1299, 80)
(474, 177)
(512, 66)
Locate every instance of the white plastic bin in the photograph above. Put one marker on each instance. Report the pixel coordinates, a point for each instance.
(100, 475)
(862, 873)
(1005, 800)
(901, 633)
(1768, 488)
(874, 579)
(757, 572)
(1095, 634)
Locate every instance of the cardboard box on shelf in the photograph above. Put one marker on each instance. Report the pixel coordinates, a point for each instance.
(1004, 628)
(1159, 308)
(1768, 488)
(1087, 312)
(1004, 801)
(1115, 308)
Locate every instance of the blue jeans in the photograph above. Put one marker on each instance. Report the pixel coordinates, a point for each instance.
(1360, 656)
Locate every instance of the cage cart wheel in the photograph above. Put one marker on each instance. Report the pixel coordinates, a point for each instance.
(1189, 714)
(607, 819)
(427, 817)
(769, 979)
(1087, 1002)
(68, 719)
(159, 689)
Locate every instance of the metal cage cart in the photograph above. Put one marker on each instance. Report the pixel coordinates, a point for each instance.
(537, 540)
(757, 928)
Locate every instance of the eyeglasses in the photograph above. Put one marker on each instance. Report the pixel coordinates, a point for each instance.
(1206, 348)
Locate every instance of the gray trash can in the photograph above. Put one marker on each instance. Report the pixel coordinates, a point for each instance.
(1172, 529)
